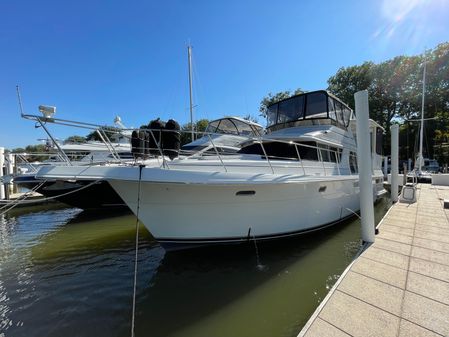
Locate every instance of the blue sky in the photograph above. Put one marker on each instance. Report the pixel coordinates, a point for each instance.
(94, 60)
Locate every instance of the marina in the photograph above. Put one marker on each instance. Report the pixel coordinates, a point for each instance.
(281, 169)
(232, 267)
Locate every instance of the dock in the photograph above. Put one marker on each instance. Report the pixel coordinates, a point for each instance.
(18, 200)
(398, 286)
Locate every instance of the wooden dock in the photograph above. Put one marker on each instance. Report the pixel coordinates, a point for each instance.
(398, 286)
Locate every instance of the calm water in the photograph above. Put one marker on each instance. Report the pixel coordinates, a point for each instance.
(64, 272)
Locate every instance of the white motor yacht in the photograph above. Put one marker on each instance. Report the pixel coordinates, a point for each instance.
(300, 176)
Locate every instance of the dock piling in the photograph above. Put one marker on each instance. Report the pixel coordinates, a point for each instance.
(364, 165)
(394, 162)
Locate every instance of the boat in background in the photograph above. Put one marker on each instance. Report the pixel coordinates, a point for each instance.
(224, 135)
(300, 176)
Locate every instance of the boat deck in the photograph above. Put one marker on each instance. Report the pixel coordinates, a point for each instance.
(398, 286)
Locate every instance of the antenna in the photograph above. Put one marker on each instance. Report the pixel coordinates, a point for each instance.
(421, 134)
(189, 54)
(20, 100)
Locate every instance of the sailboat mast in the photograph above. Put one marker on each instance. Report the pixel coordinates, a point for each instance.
(420, 156)
(189, 52)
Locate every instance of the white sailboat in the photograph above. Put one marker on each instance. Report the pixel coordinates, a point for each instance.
(424, 167)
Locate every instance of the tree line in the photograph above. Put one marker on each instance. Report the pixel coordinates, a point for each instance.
(395, 88)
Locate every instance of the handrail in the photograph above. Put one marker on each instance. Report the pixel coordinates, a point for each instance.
(218, 154)
(64, 156)
(164, 162)
(103, 131)
(302, 164)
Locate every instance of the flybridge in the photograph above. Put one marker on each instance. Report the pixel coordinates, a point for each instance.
(311, 106)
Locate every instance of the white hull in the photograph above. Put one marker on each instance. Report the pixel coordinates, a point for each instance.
(205, 213)
(207, 206)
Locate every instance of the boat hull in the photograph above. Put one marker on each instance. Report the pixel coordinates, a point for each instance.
(99, 195)
(198, 213)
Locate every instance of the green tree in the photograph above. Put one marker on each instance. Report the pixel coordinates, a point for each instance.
(110, 132)
(347, 81)
(200, 126)
(75, 139)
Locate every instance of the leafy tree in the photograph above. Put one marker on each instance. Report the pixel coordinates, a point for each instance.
(18, 150)
(110, 131)
(347, 81)
(75, 139)
(200, 126)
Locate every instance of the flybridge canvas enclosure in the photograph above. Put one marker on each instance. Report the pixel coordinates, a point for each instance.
(315, 105)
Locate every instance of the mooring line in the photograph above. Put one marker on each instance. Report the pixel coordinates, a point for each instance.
(137, 250)
(16, 202)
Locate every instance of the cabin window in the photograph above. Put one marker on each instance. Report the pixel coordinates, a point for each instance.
(283, 151)
(212, 127)
(339, 113)
(272, 113)
(331, 107)
(291, 109)
(324, 152)
(346, 115)
(316, 105)
(243, 128)
(309, 151)
(353, 162)
(226, 126)
(329, 153)
(379, 140)
(334, 154)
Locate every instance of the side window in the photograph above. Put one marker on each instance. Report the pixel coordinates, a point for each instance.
(291, 109)
(324, 151)
(346, 115)
(272, 114)
(308, 151)
(379, 141)
(353, 162)
(331, 107)
(334, 154)
(339, 113)
(316, 106)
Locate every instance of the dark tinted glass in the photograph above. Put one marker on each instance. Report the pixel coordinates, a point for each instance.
(291, 109)
(379, 141)
(339, 112)
(272, 114)
(331, 107)
(346, 115)
(276, 150)
(316, 105)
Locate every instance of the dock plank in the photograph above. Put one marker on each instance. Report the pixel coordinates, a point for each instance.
(398, 286)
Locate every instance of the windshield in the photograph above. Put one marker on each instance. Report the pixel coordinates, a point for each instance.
(313, 105)
(234, 127)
